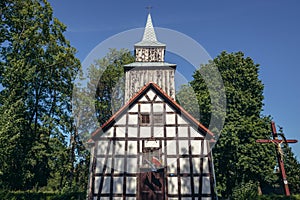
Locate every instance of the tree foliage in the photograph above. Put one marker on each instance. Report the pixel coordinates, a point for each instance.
(106, 82)
(238, 159)
(292, 167)
(187, 98)
(38, 67)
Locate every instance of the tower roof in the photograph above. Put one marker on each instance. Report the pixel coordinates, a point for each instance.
(149, 37)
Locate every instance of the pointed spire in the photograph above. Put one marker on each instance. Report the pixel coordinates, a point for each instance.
(149, 34)
(149, 37)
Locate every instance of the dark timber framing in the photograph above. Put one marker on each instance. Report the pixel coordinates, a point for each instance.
(194, 178)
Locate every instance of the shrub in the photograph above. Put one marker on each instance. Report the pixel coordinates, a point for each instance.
(25, 195)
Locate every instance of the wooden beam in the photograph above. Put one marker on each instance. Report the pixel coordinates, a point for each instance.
(280, 161)
(278, 149)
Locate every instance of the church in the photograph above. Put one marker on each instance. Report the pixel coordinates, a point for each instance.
(151, 149)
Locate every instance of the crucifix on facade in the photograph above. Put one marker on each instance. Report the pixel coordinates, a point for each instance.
(279, 154)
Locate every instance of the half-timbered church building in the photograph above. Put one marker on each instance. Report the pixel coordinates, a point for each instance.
(151, 149)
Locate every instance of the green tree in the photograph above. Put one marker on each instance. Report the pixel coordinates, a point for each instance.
(187, 98)
(292, 167)
(106, 82)
(238, 159)
(101, 93)
(38, 67)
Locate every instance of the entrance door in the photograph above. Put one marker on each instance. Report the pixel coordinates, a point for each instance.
(151, 177)
(151, 184)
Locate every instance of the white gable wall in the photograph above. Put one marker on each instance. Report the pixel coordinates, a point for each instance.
(184, 152)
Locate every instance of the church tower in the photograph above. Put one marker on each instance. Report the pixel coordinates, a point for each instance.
(151, 149)
(149, 65)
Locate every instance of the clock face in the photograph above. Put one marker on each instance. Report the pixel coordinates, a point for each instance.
(149, 54)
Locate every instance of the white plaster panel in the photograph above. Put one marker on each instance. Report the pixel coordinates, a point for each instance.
(169, 109)
(184, 165)
(130, 185)
(122, 120)
(102, 147)
(108, 163)
(118, 185)
(100, 164)
(195, 133)
(130, 198)
(205, 165)
(183, 147)
(170, 118)
(145, 131)
(158, 99)
(196, 165)
(132, 148)
(172, 165)
(132, 165)
(133, 119)
(118, 164)
(163, 159)
(108, 133)
(106, 185)
(186, 185)
(143, 99)
(205, 185)
(196, 184)
(163, 147)
(132, 131)
(158, 107)
(171, 147)
(182, 131)
(141, 159)
(134, 108)
(196, 146)
(172, 185)
(180, 120)
(120, 131)
(151, 94)
(146, 107)
(158, 132)
(141, 146)
(119, 147)
(97, 183)
(171, 131)
(205, 150)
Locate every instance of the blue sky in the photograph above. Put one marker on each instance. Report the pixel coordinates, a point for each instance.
(266, 31)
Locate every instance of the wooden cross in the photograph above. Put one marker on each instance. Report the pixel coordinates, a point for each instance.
(279, 154)
(149, 8)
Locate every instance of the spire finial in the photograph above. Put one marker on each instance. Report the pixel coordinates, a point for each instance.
(149, 8)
